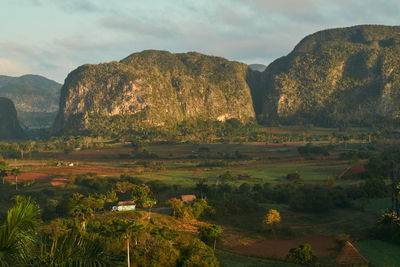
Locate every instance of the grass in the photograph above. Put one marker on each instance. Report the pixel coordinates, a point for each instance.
(377, 205)
(379, 252)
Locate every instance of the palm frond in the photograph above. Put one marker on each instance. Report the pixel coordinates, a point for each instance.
(18, 232)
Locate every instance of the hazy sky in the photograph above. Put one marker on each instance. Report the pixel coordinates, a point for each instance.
(53, 37)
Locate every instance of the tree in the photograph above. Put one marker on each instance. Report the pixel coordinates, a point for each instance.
(303, 255)
(388, 227)
(125, 229)
(25, 147)
(197, 254)
(202, 187)
(17, 234)
(3, 174)
(3, 169)
(272, 219)
(293, 176)
(16, 172)
(72, 249)
(142, 195)
(210, 234)
(83, 214)
(176, 205)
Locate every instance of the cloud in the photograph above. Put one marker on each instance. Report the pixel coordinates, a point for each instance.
(71, 6)
(252, 31)
(142, 26)
(12, 67)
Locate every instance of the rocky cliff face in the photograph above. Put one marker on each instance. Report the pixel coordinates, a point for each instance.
(36, 98)
(158, 87)
(9, 126)
(348, 75)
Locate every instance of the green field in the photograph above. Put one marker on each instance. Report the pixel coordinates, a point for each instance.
(378, 205)
(381, 253)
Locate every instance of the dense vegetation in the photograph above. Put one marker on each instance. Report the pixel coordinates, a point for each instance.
(334, 77)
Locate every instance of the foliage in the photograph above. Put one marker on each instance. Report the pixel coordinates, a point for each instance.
(335, 77)
(193, 210)
(388, 227)
(72, 249)
(210, 234)
(302, 254)
(293, 176)
(272, 219)
(18, 233)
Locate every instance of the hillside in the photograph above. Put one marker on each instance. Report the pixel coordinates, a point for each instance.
(155, 88)
(9, 126)
(36, 98)
(333, 77)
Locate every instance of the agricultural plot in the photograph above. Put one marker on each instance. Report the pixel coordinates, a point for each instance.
(379, 252)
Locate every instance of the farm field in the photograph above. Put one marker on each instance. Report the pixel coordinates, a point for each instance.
(244, 168)
(379, 252)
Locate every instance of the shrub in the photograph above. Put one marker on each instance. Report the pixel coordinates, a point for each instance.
(303, 255)
(293, 176)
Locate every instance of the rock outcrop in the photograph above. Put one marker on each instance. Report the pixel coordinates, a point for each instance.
(9, 126)
(157, 87)
(347, 75)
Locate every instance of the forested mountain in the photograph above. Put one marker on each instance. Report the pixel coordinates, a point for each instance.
(346, 75)
(36, 98)
(155, 88)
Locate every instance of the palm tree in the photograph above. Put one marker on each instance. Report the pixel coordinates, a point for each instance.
(72, 249)
(3, 173)
(126, 230)
(18, 232)
(83, 214)
(16, 172)
(3, 169)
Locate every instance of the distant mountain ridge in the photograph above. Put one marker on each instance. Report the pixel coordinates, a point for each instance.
(257, 67)
(36, 98)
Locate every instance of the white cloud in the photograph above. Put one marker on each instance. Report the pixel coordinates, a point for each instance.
(12, 68)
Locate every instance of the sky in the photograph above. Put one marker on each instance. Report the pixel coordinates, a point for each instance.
(53, 37)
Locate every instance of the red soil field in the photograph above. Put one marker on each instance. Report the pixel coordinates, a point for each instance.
(279, 248)
(357, 169)
(71, 170)
(41, 174)
(26, 176)
(59, 181)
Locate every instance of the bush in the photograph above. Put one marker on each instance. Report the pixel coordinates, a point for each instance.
(293, 176)
(303, 255)
(210, 234)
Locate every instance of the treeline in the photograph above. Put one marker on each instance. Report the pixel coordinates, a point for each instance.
(67, 144)
(229, 199)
